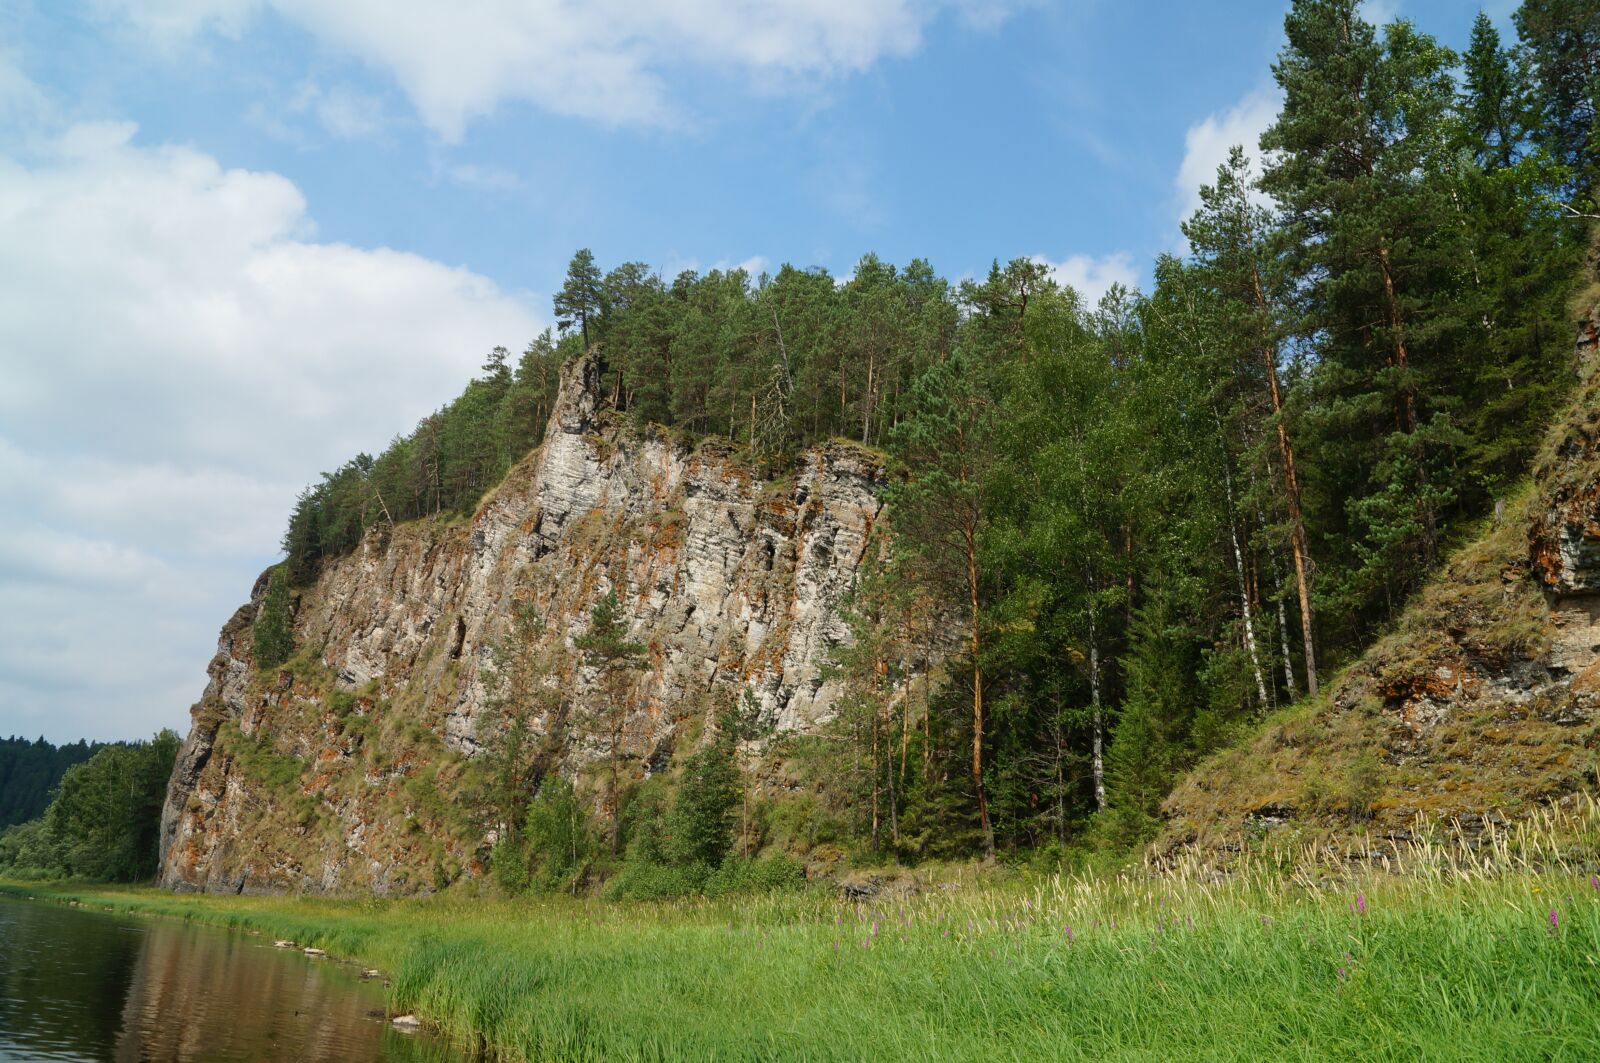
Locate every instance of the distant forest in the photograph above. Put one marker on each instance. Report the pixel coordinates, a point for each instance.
(99, 817)
(1156, 518)
(30, 771)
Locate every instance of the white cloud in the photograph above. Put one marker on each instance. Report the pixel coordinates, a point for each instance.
(1381, 12)
(179, 353)
(22, 103)
(1092, 277)
(347, 113)
(603, 60)
(486, 177)
(1206, 144)
(755, 265)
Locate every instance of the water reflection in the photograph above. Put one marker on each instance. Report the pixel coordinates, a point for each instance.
(86, 985)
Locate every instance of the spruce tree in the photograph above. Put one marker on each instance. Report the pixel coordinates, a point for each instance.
(1493, 103)
(607, 649)
(274, 627)
(700, 822)
(945, 448)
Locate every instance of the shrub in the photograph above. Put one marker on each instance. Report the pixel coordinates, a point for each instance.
(766, 875)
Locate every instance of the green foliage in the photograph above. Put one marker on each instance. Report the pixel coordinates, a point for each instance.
(29, 772)
(767, 874)
(1562, 38)
(557, 834)
(699, 825)
(1120, 533)
(274, 626)
(104, 821)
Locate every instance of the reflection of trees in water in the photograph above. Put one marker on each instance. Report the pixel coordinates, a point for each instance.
(199, 994)
(63, 975)
(91, 986)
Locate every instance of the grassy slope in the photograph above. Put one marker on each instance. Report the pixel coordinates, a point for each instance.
(1457, 960)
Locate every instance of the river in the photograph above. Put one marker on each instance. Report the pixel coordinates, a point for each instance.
(79, 985)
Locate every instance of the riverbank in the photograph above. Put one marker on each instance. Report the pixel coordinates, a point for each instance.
(1480, 956)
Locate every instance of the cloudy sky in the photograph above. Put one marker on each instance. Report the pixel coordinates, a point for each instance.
(241, 240)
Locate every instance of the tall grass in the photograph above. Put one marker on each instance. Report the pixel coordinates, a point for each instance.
(1434, 950)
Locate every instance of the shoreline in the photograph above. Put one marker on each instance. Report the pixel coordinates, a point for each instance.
(1109, 967)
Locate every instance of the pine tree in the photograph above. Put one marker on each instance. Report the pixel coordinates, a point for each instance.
(1357, 169)
(1563, 40)
(580, 300)
(1232, 240)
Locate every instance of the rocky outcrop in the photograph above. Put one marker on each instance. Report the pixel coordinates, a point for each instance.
(1565, 539)
(1481, 707)
(348, 769)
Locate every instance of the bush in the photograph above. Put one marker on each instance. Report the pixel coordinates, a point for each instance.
(508, 861)
(765, 875)
(559, 840)
(658, 882)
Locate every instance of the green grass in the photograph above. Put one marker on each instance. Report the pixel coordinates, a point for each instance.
(1455, 956)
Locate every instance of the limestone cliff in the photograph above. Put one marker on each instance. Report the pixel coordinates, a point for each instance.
(1479, 708)
(348, 769)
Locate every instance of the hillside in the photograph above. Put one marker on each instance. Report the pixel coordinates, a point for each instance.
(1478, 708)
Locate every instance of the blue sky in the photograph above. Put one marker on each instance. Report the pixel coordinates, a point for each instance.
(241, 239)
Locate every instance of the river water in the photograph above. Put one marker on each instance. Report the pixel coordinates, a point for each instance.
(77, 984)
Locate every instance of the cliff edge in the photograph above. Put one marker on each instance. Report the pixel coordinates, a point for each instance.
(354, 766)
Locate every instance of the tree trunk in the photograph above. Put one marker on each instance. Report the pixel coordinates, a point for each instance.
(1094, 698)
(984, 826)
(1291, 493)
(875, 773)
(1238, 567)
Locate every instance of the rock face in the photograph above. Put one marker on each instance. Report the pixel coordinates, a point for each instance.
(1480, 708)
(348, 769)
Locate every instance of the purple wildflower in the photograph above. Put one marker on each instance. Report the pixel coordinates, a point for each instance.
(1555, 919)
(1361, 904)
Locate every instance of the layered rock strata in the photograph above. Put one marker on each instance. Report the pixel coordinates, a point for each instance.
(320, 776)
